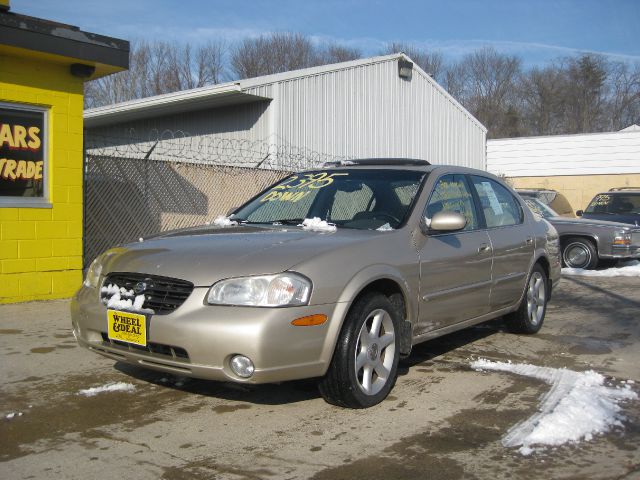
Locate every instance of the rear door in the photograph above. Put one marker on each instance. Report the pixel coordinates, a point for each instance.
(512, 240)
(455, 267)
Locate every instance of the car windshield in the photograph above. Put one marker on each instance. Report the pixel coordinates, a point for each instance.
(536, 206)
(364, 199)
(615, 204)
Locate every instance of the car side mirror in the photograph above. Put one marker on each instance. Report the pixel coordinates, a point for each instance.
(579, 213)
(445, 222)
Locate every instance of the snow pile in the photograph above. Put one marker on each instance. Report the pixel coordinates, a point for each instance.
(385, 228)
(223, 221)
(131, 302)
(109, 387)
(629, 269)
(112, 289)
(316, 225)
(578, 406)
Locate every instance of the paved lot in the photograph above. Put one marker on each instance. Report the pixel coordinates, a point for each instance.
(442, 420)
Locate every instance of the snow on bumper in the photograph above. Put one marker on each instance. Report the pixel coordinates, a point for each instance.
(206, 338)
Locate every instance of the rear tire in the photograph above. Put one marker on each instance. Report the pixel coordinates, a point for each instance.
(529, 317)
(579, 253)
(364, 366)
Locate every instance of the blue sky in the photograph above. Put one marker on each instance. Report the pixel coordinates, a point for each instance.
(535, 30)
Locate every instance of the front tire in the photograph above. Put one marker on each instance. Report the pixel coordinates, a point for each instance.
(364, 366)
(579, 253)
(533, 307)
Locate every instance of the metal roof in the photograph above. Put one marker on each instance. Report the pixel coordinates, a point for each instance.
(177, 102)
(231, 93)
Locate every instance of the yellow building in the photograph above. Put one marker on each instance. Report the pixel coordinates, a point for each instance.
(43, 67)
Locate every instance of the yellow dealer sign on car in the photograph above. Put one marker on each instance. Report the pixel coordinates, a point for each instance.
(127, 327)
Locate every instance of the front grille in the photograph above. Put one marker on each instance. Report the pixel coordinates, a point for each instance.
(162, 294)
(175, 353)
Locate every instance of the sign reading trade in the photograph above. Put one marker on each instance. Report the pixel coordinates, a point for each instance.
(22, 154)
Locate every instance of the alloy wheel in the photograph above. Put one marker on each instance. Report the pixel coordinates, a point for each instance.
(375, 352)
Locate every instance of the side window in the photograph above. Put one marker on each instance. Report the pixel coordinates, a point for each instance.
(498, 204)
(451, 194)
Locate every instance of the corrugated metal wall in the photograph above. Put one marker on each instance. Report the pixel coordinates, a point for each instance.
(362, 111)
(591, 154)
(369, 111)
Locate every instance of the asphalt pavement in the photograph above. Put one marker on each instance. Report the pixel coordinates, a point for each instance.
(443, 420)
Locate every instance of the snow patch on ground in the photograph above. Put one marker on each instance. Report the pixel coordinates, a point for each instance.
(315, 224)
(578, 406)
(223, 221)
(628, 269)
(109, 387)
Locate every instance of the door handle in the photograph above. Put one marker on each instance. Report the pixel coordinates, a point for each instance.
(529, 240)
(483, 248)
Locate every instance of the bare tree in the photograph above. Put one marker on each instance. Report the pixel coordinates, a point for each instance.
(541, 92)
(489, 90)
(156, 68)
(335, 53)
(429, 61)
(623, 107)
(274, 53)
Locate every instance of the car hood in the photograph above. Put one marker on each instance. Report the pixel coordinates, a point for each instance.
(632, 219)
(204, 255)
(586, 222)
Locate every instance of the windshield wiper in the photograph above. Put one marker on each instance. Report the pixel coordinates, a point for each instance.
(289, 221)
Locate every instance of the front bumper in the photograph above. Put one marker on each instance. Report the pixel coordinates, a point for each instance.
(622, 253)
(198, 340)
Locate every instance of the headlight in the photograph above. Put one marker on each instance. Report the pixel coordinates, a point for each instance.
(282, 290)
(622, 238)
(93, 274)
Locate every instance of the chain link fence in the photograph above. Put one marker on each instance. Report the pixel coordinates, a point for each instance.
(135, 188)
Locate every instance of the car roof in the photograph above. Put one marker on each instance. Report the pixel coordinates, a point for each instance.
(401, 163)
(378, 162)
(623, 190)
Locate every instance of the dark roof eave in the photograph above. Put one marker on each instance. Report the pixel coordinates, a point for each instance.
(21, 31)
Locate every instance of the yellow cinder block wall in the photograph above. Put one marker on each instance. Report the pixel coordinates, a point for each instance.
(576, 191)
(41, 248)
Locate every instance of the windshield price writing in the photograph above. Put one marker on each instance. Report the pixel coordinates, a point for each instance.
(297, 187)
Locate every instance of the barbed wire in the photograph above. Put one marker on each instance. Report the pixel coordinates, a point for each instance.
(181, 147)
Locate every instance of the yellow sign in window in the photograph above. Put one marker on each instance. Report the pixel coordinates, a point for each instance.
(127, 327)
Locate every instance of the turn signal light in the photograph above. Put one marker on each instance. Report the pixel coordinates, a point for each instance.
(625, 242)
(310, 321)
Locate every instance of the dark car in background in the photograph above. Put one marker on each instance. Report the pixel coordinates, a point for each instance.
(616, 205)
(586, 243)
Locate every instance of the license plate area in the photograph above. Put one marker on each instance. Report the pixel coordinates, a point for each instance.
(127, 327)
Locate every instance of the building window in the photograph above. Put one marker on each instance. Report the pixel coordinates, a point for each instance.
(24, 163)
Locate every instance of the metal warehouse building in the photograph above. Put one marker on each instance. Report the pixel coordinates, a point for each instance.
(377, 107)
(180, 159)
